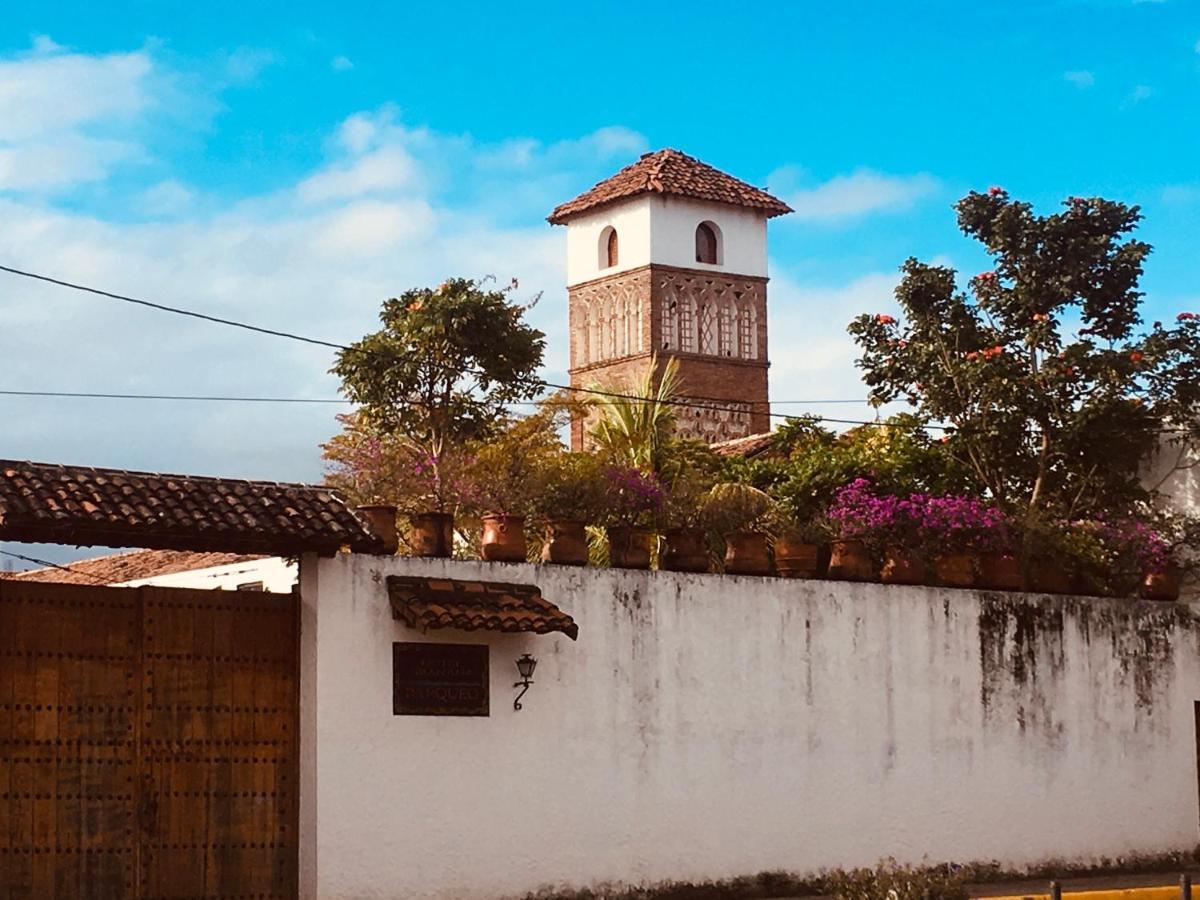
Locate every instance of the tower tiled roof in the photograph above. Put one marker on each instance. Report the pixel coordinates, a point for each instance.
(670, 172)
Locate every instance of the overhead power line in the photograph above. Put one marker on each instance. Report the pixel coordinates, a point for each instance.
(717, 406)
(46, 564)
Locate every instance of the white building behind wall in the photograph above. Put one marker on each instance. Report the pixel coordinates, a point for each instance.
(706, 727)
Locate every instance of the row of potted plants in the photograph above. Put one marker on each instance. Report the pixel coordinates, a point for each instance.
(581, 509)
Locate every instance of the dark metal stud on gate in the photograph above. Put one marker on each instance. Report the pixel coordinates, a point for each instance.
(525, 666)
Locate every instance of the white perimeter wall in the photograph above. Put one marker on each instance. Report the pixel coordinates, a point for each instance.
(707, 727)
(658, 229)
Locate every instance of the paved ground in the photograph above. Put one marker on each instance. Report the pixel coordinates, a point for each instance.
(1095, 887)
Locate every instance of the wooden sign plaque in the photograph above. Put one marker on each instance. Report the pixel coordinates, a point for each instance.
(439, 679)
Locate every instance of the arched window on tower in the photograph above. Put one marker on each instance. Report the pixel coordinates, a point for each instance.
(725, 314)
(584, 337)
(708, 244)
(745, 334)
(687, 325)
(708, 329)
(608, 248)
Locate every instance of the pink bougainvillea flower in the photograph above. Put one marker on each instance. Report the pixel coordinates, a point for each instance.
(1187, 317)
(1136, 357)
(994, 191)
(974, 354)
(1041, 317)
(884, 319)
(986, 276)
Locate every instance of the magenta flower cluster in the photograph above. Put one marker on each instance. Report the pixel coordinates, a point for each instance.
(919, 520)
(634, 493)
(1131, 538)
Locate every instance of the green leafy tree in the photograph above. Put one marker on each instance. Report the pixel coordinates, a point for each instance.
(437, 376)
(1054, 395)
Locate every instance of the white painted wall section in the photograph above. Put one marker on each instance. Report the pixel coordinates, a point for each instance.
(631, 219)
(655, 229)
(706, 727)
(673, 222)
(276, 575)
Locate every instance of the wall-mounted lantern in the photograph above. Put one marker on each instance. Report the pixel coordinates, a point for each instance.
(525, 666)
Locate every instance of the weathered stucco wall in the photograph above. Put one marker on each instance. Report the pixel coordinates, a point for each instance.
(707, 727)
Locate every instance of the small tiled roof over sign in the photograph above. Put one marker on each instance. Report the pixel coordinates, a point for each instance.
(44, 502)
(119, 568)
(475, 606)
(675, 174)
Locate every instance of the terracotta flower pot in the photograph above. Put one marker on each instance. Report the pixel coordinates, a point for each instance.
(684, 551)
(850, 561)
(747, 553)
(954, 570)
(998, 572)
(901, 567)
(431, 534)
(629, 548)
(503, 539)
(1161, 585)
(1050, 577)
(797, 559)
(566, 543)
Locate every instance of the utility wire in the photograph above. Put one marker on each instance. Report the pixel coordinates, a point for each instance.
(712, 406)
(49, 565)
(171, 309)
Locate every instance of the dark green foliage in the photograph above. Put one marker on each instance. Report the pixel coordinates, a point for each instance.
(898, 455)
(445, 364)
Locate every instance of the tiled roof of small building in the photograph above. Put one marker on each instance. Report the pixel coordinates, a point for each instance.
(476, 606)
(752, 446)
(44, 502)
(119, 568)
(673, 173)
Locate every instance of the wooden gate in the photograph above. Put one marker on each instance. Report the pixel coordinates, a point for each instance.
(148, 743)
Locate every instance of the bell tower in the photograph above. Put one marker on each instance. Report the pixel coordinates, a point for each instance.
(669, 257)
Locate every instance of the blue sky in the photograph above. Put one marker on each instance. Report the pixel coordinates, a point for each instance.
(294, 164)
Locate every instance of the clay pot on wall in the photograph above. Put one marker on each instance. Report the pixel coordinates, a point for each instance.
(747, 553)
(684, 550)
(998, 572)
(1050, 577)
(901, 567)
(431, 534)
(629, 548)
(503, 539)
(798, 559)
(566, 543)
(850, 561)
(1163, 585)
(954, 570)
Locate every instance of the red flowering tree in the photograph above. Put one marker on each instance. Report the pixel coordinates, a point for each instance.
(1054, 393)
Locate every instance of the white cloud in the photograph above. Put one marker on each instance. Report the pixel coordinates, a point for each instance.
(1081, 78)
(46, 95)
(245, 64)
(166, 198)
(1138, 94)
(386, 169)
(393, 206)
(820, 364)
(861, 193)
(341, 64)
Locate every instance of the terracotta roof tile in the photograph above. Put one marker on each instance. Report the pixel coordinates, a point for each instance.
(752, 446)
(43, 502)
(671, 173)
(476, 606)
(118, 568)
